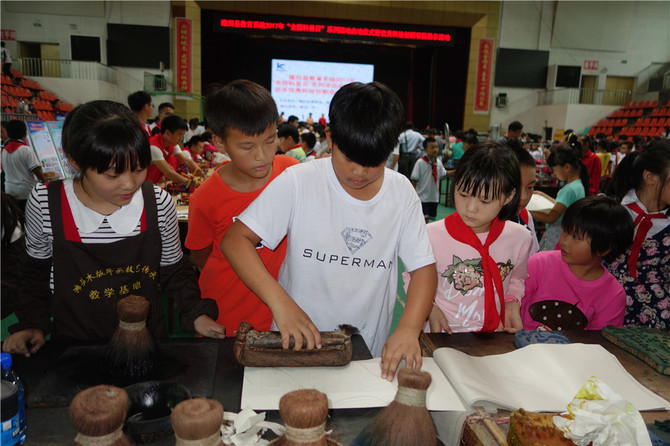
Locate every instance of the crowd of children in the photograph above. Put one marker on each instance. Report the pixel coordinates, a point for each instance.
(301, 233)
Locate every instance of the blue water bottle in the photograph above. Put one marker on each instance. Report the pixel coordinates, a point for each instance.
(10, 376)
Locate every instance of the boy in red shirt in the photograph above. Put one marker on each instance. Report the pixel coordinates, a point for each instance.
(243, 117)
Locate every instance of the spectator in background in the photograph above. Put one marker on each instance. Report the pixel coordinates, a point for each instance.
(7, 62)
(141, 104)
(309, 120)
(308, 144)
(294, 121)
(289, 142)
(20, 165)
(322, 120)
(410, 148)
(194, 129)
(514, 130)
(589, 159)
(165, 109)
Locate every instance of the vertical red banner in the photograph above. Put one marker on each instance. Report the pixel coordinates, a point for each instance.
(184, 57)
(483, 80)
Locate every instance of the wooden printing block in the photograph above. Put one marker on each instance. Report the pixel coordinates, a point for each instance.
(264, 349)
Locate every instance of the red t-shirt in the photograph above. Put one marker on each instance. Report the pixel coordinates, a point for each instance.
(153, 173)
(594, 167)
(211, 211)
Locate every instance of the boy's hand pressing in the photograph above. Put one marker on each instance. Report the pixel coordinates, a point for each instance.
(294, 323)
(402, 344)
(438, 321)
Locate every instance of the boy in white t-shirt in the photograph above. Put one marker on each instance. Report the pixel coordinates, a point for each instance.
(367, 215)
(22, 168)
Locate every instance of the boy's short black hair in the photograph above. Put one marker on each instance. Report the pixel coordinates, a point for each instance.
(137, 100)
(173, 123)
(242, 105)
(514, 126)
(470, 138)
(163, 105)
(490, 169)
(428, 140)
(16, 129)
(103, 134)
(607, 223)
(292, 118)
(522, 155)
(195, 139)
(207, 136)
(287, 130)
(309, 139)
(365, 122)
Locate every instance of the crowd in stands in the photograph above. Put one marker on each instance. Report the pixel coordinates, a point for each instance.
(301, 225)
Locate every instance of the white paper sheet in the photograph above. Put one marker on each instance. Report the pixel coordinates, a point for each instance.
(540, 204)
(541, 377)
(356, 385)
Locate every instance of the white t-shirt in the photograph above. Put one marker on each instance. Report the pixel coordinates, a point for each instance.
(346, 270)
(157, 153)
(394, 153)
(18, 166)
(426, 188)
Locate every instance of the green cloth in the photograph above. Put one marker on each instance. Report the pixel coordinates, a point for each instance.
(648, 344)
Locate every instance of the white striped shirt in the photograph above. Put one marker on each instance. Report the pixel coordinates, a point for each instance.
(39, 235)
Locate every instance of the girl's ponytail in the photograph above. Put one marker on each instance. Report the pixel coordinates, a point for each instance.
(624, 178)
(584, 176)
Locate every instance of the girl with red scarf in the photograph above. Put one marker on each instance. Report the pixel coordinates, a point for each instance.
(642, 183)
(481, 257)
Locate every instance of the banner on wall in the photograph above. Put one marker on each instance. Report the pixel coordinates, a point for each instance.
(483, 79)
(184, 60)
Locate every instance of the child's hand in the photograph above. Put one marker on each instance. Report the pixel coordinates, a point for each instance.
(402, 344)
(24, 342)
(513, 322)
(294, 323)
(207, 327)
(438, 321)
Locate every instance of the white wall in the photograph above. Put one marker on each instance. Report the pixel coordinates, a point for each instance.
(534, 25)
(58, 20)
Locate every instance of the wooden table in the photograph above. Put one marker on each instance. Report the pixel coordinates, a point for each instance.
(47, 426)
(50, 425)
(483, 344)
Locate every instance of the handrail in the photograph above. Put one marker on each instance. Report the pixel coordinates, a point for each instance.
(584, 96)
(65, 68)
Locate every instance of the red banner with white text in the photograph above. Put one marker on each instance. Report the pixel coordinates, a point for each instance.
(483, 80)
(184, 60)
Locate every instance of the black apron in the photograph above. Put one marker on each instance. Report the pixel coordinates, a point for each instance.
(90, 278)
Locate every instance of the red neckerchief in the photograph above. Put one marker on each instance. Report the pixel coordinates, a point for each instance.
(644, 221)
(523, 215)
(464, 234)
(433, 167)
(12, 145)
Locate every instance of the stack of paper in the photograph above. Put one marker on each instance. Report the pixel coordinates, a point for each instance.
(540, 377)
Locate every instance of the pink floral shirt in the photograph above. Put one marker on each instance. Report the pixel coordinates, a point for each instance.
(460, 288)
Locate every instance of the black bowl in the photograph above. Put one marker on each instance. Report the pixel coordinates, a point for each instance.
(151, 403)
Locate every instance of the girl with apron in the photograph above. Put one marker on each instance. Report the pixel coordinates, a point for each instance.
(101, 236)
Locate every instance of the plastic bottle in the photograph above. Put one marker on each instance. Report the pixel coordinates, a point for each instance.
(9, 375)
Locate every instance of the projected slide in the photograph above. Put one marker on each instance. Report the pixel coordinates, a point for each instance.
(301, 87)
